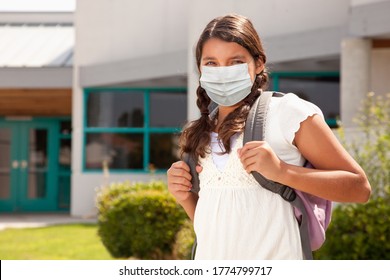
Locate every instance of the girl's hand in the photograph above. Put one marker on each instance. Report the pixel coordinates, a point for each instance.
(179, 180)
(258, 156)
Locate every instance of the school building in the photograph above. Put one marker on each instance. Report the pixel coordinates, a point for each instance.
(111, 84)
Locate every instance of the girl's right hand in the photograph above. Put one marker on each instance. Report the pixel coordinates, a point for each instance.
(179, 180)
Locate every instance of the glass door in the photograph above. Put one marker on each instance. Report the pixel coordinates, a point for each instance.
(8, 167)
(38, 167)
(28, 168)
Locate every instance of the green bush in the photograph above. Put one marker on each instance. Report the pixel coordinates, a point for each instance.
(358, 232)
(372, 148)
(138, 220)
(363, 231)
(185, 238)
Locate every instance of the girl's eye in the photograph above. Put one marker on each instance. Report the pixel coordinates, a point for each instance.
(237, 62)
(210, 63)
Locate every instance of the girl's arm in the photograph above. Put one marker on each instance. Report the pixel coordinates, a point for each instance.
(337, 176)
(179, 185)
(189, 205)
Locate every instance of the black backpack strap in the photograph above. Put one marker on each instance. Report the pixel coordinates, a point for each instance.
(195, 188)
(192, 163)
(187, 158)
(254, 130)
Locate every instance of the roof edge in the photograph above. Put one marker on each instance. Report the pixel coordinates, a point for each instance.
(37, 17)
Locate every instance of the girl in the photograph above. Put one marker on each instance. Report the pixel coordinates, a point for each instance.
(233, 217)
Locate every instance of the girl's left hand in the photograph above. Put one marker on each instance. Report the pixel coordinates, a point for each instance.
(258, 156)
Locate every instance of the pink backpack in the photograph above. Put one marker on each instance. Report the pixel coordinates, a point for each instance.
(313, 213)
(319, 212)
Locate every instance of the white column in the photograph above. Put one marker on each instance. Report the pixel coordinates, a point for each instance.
(355, 77)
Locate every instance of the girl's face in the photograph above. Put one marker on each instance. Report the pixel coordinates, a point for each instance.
(217, 52)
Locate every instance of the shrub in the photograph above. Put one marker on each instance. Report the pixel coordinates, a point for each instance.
(138, 220)
(185, 238)
(358, 232)
(372, 149)
(363, 231)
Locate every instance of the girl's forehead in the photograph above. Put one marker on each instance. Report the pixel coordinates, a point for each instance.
(218, 48)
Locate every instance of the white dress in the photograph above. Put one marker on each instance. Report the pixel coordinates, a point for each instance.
(235, 218)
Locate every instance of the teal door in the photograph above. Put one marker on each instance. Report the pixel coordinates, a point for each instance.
(28, 169)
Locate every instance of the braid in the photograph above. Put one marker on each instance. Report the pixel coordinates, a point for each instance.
(235, 121)
(203, 101)
(196, 135)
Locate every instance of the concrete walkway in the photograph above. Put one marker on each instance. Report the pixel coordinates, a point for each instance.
(40, 220)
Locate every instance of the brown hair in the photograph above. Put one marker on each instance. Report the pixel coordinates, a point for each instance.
(196, 135)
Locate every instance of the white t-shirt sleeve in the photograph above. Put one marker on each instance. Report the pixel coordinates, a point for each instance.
(284, 118)
(293, 111)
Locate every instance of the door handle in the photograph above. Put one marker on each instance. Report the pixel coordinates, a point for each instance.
(15, 164)
(24, 164)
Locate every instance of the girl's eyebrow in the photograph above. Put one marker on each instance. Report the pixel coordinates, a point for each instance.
(208, 58)
(238, 57)
(233, 57)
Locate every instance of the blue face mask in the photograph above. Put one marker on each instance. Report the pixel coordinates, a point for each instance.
(226, 85)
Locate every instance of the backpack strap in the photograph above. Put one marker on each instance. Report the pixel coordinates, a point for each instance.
(195, 189)
(254, 130)
(192, 163)
(194, 175)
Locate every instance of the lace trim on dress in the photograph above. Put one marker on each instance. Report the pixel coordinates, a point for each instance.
(233, 175)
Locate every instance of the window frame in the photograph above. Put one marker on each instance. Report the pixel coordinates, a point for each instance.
(146, 130)
(275, 76)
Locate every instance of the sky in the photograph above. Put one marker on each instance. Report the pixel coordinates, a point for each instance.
(37, 5)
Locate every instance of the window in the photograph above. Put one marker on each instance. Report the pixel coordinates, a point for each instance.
(322, 89)
(133, 129)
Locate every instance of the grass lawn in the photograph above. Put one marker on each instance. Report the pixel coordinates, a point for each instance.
(61, 242)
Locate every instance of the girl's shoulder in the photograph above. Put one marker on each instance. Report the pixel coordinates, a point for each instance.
(290, 103)
(288, 112)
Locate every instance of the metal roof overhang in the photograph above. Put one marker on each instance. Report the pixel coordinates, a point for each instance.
(36, 55)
